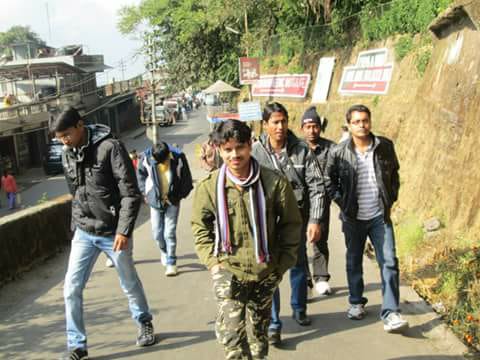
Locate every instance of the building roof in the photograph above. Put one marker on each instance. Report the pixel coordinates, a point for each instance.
(22, 70)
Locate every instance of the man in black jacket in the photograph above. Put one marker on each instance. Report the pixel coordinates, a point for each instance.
(105, 205)
(280, 150)
(362, 178)
(164, 179)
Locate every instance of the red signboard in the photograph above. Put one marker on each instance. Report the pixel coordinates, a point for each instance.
(249, 70)
(282, 85)
(366, 79)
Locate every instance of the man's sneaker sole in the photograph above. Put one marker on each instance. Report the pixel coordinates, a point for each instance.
(146, 343)
(396, 329)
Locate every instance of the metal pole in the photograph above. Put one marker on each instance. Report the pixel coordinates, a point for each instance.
(154, 119)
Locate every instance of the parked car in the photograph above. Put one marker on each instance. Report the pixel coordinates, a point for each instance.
(52, 159)
(163, 115)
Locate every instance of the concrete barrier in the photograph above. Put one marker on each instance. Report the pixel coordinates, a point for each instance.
(32, 235)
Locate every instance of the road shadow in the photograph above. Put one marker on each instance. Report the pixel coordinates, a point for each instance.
(176, 340)
(432, 357)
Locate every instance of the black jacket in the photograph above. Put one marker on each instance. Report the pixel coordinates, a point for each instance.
(303, 173)
(149, 180)
(341, 176)
(101, 179)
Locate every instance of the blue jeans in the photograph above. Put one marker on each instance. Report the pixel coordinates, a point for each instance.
(83, 255)
(11, 199)
(298, 285)
(382, 237)
(164, 230)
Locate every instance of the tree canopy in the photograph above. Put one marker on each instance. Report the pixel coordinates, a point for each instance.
(18, 34)
(200, 40)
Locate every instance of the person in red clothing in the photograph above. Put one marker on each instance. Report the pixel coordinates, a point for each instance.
(134, 156)
(9, 185)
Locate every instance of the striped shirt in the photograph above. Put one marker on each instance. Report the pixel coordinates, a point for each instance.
(367, 189)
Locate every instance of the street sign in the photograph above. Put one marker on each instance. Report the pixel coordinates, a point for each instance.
(285, 85)
(249, 69)
(370, 75)
(250, 111)
(324, 77)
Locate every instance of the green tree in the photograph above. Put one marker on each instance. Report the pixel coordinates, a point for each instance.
(18, 34)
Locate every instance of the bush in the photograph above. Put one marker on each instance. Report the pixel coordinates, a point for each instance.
(403, 46)
(409, 235)
(422, 60)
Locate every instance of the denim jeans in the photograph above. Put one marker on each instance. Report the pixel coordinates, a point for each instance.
(164, 230)
(83, 255)
(383, 240)
(298, 285)
(11, 200)
(321, 254)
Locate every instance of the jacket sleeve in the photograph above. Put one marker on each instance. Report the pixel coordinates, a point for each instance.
(316, 189)
(141, 174)
(331, 178)
(203, 219)
(185, 178)
(289, 226)
(130, 197)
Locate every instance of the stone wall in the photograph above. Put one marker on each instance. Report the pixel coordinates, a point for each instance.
(32, 235)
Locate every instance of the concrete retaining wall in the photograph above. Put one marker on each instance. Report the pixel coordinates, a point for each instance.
(32, 235)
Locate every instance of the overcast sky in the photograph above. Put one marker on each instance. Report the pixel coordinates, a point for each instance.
(91, 23)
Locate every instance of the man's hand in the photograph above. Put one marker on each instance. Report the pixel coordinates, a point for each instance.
(120, 242)
(215, 268)
(313, 232)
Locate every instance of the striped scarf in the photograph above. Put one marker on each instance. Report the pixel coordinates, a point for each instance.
(257, 212)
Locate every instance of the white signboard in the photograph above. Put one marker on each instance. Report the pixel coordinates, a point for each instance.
(250, 111)
(324, 77)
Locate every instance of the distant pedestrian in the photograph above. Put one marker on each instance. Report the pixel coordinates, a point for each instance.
(312, 127)
(105, 205)
(9, 185)
(164, 179)
(280, 150)
(362, 178)
(134, 157)
(210, 159)
(246, 251)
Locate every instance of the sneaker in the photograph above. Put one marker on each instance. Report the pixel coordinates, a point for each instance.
(356, 312)
(163, 258)
(171, 270)
(146, 336)
(78, 354)
(274, 338)
(301, 318)
(394, 322)
(323, 288)
(109, 263)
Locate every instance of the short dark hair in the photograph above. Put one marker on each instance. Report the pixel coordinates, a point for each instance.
(68, 118)
(272, 107)
(231, 129)
(357, 108)
(160, 152)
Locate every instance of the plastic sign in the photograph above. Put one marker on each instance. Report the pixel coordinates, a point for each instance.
(370, 75)
(250, 111)
(249, 70)
(285, 85)
(324, 78)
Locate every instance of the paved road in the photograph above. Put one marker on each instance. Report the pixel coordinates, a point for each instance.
(32, 319)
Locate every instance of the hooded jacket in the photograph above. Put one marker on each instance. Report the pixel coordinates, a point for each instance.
(303, 173)
(181, 183)
(101, 179)
(341, 176)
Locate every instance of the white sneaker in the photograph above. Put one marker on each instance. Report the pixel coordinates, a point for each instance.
(323, 288)
(394, 322)
(109, 263)
(356, 312)
(163, 258)
(171, 270)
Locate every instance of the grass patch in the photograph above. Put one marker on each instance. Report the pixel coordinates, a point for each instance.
(403, 46)
(409, 235)
(421, 61)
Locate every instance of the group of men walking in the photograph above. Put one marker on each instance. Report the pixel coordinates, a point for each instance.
(252, 219)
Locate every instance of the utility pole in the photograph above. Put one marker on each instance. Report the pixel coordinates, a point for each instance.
(122, 68)
(152, 65)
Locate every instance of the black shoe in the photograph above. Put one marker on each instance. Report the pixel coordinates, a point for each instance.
(301, 318)
(78, 354)
(146, 336)
(274, 338)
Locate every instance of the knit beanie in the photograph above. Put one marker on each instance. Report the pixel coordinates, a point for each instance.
(311, 116)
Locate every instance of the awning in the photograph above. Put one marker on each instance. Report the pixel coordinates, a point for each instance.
(220, 87)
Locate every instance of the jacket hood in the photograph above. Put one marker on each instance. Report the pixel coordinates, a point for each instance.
(98, 132)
